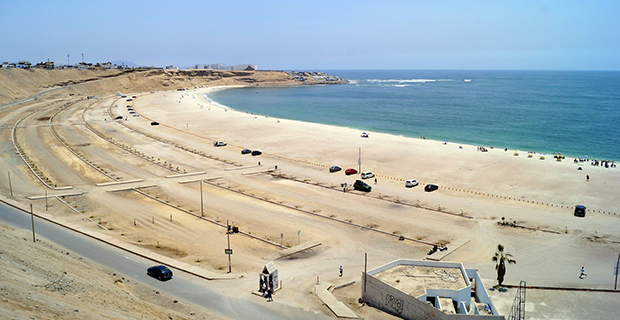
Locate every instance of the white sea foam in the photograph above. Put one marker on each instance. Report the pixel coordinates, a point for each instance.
(401, 80)
(211, 101)
(467, 80)
(401, 85)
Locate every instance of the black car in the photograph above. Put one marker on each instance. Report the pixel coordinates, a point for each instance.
(246, 151)
(154, 123)
(119, 118)
(161, 273)
(334, 169)
(256, 153)
(580, 211)
(361, 186)
(430, 187)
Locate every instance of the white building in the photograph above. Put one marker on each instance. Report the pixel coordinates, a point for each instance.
(420, 289)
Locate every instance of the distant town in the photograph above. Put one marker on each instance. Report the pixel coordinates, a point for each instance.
(23, 64)
(301, 76)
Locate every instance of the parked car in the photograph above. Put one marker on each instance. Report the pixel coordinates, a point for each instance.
(361, 186)
(219, 143)
(411, 183)
(161, 273)
(580, 211)
(334, 169)
(350, 171)
(136, 115)
(134, 97)
(430, 187)
(246, 151)
(256, 153)
(129, 99)
(154, 123)
(123, 96)
(118, 118)
(367, 174)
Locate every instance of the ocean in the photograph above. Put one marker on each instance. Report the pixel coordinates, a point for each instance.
(576, 113)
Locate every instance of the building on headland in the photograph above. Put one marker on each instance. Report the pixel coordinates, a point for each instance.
(420, 289)
(24, 64)
(8, 65)
(45, 65)
(171, 67)
(221, 66)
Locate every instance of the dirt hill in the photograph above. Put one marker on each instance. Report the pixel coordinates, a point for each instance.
(18, 84)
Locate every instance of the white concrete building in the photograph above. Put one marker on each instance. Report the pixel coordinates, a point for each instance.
(420, 289)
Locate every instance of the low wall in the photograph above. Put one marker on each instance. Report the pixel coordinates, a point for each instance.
(391, 300)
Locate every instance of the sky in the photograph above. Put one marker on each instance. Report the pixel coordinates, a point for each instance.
(318, 35)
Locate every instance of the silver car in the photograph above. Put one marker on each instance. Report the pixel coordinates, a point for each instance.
(411, 183)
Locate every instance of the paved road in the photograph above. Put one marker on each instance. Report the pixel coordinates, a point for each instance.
(183, 286)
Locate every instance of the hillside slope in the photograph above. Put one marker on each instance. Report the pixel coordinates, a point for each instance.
(43, 280)
(16, 84)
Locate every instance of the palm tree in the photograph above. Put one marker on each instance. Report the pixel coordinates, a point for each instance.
(500, 259)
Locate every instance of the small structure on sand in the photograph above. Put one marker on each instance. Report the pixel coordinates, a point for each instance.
(419, 289)
(269, 278)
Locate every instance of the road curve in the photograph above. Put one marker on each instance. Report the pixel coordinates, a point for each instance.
(182, 286)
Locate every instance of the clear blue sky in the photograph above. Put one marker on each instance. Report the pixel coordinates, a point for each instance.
(535, 35)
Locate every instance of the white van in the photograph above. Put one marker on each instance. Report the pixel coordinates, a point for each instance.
(219, 143)
(367, 174)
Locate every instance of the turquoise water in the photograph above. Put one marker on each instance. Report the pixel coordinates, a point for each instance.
(576, 113)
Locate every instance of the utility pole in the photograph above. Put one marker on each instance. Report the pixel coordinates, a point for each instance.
(202, 212)
(10, 185)
(34, 239)
(617, 271)
(359, 160)
(229, 253)
(365, 270)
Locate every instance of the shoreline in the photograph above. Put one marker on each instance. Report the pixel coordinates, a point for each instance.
(536, 153)
(395, 157)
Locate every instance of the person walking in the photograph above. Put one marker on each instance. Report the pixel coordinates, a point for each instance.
(375, 180)
(583, 273)
(587, 177)
(341, 270)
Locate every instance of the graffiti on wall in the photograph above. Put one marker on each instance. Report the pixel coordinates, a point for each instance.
(394, 303)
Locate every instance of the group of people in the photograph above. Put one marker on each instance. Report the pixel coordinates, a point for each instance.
(596, 163)
(604, 163)
(266, 290)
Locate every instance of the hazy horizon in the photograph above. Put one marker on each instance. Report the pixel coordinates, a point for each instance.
(347, 35)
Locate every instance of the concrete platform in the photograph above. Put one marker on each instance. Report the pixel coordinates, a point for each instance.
(131, 188)
(56, 195)
(203, 179)
(118, 182)
(292, 250)
(185, 174)
(335, 305)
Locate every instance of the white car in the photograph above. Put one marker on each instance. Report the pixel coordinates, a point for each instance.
(367, 174)
(219, 144)
(411, 183)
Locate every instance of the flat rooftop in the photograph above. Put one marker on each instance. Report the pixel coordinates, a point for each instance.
(413, 280)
